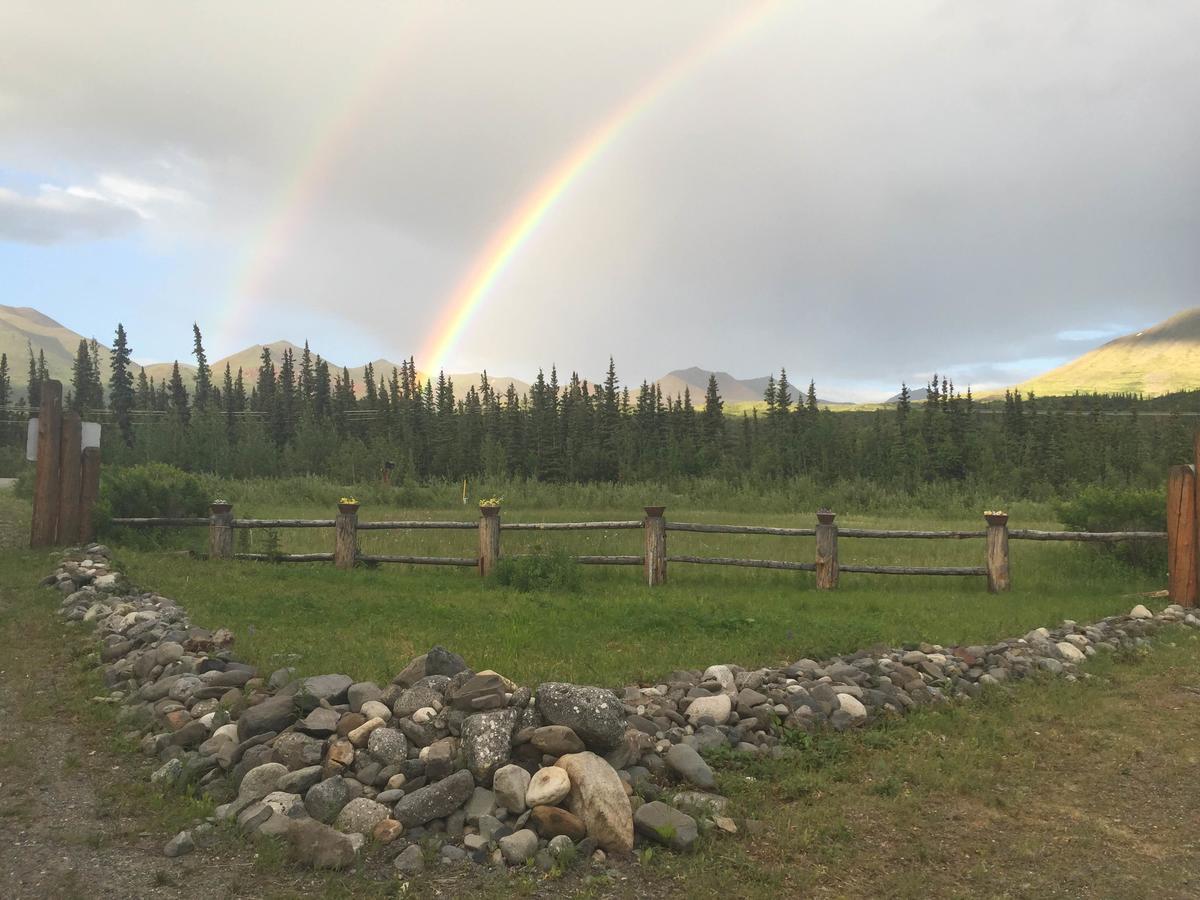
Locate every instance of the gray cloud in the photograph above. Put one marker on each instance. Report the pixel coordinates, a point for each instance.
(55, 215)
(860, 197)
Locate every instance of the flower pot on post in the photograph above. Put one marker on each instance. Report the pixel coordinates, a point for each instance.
(345, 546)
(997, 552)
(220, 530)
(655, 560)
(827, 550)
(489, 537)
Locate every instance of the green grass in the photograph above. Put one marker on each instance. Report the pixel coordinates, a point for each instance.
(613, 629)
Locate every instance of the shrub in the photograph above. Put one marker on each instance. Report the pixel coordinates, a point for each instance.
(1115, 509)
(542, 569)
(151, 489)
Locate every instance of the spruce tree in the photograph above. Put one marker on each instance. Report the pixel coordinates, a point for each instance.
(81, 378)
(179, 395)
(203, 372)
(120, 385)
(34, 389)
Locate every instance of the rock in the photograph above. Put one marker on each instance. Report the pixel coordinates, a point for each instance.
(685, 762)
(298, 751)
(482, 691)
(559, 844)
(388, 746)
(386, 831)
(168, 773)
(598, 798)
(421, 696)
(723, 675)
(1070, 652)
(361, 816)
(440, 758)
(518, 848)
(360, 735)
(667, 826)
(487, 742)
(273, 714)
(320, 846)
(711, 804)
(552, 821)
(548, 787)
(411, 861)
(717, 708)
(726, 824)
(360, 692)
(594, 714)
(325, 799)
(261, 780)
(1140, 612)
(375, 709)
(436, 801)
(321, 722)
(179, 845)
(556, 740)
(300, 780)
(330, 688)
(482, 803)
(438, 661)
(852, 705)
(510, 784)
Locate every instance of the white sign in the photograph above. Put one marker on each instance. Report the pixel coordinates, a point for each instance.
(89, 437)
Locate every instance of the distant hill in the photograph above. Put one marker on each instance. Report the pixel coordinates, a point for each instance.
(915, 395)
(21, 327)
(733, 390)
(1158, 360)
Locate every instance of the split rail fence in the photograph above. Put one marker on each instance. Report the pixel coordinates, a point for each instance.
(655, 558)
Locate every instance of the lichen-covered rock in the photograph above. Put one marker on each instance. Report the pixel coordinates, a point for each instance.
(593, 713)
(325, 799)
(435, 801)
(361, 816)
(487, 742)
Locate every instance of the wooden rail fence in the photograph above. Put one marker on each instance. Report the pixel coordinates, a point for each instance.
(655, 527)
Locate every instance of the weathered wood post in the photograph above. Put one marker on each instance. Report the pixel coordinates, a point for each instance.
(655, 560)
(89, 492)
(1181, 535)
(44, 528)
(489, 538)
(998, 579)
(69, 474)
(345, 547)
(220, 530)
(827, 550)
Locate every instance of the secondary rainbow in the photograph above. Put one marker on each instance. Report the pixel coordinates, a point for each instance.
(503, 247)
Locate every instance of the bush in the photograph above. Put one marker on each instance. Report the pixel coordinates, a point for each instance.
(1115, 509)
(540, 570)
(151, 489)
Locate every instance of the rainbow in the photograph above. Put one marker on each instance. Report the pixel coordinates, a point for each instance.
(311, 174)
(507, 242)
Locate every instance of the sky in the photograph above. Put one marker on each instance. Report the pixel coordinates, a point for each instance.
(863, 193)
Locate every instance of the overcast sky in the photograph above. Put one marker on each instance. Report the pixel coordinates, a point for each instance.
(861, 192)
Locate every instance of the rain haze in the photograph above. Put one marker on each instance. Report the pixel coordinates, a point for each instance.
(863, 193)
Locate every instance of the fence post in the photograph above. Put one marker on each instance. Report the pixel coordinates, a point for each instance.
(44, 527)
(345, 547)
(489, 539)
(655, 560)
(1181, 535)
(89, 491)
(220, 530)
(827, 550)
(69, 474)
(998, 579)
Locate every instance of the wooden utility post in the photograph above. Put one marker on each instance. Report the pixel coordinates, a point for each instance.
(1181, 535)
(220, 531)
(655, 560)
(345, 547)
(69, 474)
(998, 579)
(489, 539)
(89, 492)
(44, 529)
(827, 551)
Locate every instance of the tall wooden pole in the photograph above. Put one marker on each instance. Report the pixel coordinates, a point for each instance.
(69, 475)
(827, 551)
(489, 539)
(655, 561)
(44, 528)
(220, 531)
(89, 492)
(998, 579)
(345, 546)
(1181, 535)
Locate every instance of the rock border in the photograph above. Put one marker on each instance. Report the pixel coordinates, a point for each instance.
(452, 765)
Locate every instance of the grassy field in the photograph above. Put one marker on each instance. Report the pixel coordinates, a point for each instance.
(613, 629)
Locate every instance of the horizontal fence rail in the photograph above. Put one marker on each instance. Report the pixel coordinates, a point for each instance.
(654, 558)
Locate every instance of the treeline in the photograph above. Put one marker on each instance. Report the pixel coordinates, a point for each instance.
(302, 416)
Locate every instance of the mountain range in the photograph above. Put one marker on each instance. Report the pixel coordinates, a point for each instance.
(1157, 360)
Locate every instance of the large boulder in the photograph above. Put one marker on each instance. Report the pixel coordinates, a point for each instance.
(273, 714)
(487, 742)
(594, 714)
(598, 798)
